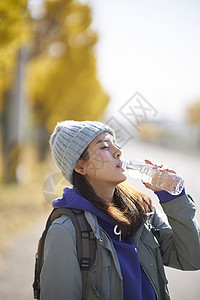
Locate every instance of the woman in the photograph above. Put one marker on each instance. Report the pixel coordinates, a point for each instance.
(122, 219)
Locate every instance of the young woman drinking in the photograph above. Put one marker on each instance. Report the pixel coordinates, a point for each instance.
(134, 241)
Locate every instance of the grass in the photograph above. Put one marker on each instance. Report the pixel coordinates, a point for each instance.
(22, 203)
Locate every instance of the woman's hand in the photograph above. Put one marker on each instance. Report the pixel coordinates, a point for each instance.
(160, 167)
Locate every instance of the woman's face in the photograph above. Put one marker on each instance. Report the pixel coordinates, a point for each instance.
(103, 165)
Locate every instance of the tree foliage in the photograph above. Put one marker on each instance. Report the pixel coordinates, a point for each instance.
(193, 113)
(62, 78)
(14, 33)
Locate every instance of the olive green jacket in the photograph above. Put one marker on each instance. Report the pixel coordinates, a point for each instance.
(177, 246)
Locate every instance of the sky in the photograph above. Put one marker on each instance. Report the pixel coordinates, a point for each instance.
(151, 47)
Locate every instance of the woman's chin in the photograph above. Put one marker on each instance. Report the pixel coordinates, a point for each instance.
(123, 178)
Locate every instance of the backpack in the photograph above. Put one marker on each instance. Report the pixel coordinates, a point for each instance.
(86, 246)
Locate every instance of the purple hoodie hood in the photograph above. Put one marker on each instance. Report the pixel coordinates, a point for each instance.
(72, 199)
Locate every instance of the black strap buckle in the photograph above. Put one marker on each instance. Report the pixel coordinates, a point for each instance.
(156, 232)
(85, 263)
(87, 234)
(36, 290)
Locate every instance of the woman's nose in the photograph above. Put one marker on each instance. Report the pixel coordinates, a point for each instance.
(117, 153)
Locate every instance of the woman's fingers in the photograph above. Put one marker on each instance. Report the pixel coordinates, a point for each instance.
(155, 165)
(151, 187)
(148, 162)
(160, 168)
(170, 171)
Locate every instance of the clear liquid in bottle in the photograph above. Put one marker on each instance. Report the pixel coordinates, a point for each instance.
(164, 180)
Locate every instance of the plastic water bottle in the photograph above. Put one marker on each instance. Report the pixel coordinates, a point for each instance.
(164, 180)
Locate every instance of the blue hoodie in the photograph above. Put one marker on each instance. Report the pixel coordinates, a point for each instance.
(135, 283)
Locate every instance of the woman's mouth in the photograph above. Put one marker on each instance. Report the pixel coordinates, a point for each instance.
(119, 165)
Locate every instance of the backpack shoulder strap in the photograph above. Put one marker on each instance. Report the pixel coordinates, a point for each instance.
(39, 258)
(85, 245)
(67, 211)
(85, 241)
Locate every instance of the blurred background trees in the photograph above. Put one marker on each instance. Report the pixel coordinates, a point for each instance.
(193, 117)
(193, 113)
(14, 33)
(62, 78)
(50, 56)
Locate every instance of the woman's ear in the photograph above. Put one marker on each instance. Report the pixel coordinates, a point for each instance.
(79, 167)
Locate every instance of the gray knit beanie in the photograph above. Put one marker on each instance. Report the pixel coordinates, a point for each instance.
(70, 139)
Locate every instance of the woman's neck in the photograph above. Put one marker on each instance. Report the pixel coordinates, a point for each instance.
(104, 192)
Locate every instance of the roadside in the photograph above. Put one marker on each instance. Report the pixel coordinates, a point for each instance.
(17, 262)
(22, 203)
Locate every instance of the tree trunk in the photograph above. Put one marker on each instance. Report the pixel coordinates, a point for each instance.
(43, 141)
(12, 123)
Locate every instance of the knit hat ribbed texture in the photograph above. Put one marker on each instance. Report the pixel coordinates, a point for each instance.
(70, 139)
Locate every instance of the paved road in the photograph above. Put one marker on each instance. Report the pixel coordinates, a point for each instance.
(16, 265)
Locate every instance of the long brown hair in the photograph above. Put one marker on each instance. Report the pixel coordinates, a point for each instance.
(128, 209)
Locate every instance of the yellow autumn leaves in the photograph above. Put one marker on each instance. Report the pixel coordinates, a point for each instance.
(61, 80)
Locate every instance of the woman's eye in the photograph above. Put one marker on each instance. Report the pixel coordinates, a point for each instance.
(105, 147)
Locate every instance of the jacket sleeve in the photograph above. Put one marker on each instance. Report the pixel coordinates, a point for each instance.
(61, 276)
(179, 242)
